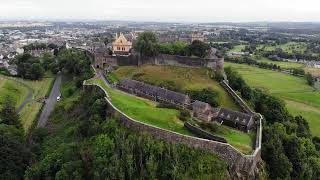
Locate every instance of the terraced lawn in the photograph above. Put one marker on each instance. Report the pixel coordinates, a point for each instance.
(147, 112)
(298, 95)
(182, 78)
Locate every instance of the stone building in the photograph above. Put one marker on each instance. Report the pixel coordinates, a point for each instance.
(241, 121)
(154, 93)
(121, 46)
(203, 111)
(197, 36)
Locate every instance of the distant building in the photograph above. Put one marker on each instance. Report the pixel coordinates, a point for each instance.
(121, 46)
(197, 37)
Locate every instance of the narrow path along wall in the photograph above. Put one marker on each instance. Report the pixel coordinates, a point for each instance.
(242, 165)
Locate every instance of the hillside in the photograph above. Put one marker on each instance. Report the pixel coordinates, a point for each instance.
(300, 98)
(89, 145)
(182, 79)
(18, 89)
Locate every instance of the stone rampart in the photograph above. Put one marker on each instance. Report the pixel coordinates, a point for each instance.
(103, 61)
(241, 165)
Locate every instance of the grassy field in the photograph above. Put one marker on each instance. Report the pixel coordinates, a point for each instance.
(314, 71)
(298, 95)
(289, 47)
(242, 141)
(184, 78)
(282, 64)
(147, 112)
(15, 91)
(237, 48)
(39, 91)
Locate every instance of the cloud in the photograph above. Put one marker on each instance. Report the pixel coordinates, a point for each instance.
(164, 10)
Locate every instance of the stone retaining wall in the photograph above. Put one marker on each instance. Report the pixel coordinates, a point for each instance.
(243, 166)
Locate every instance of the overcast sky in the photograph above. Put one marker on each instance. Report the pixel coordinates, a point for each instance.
(163, 10)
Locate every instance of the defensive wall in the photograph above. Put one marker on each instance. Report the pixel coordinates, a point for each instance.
(241, 166)
(103, 61)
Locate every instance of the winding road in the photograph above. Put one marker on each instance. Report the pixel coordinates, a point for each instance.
(50, 102)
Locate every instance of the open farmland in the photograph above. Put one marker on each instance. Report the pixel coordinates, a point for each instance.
(237, 48)
(282, 64)
(298, 95)
(289, 47)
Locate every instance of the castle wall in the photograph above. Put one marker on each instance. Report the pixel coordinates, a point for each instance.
(162, 59)
(241, 166)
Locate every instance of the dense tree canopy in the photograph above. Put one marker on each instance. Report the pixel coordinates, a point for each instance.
(147, 44)
(29, 67)
(90, 145)
(287, 148)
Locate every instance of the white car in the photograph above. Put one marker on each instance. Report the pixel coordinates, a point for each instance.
(58, 98)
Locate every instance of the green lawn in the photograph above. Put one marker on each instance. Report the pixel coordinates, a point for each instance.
(237, 48)
(289, 47)
(147, 112)
(15, 91)
(242, 141)
(282, 64)
(183, 78)
(40, 90)
(298, 95)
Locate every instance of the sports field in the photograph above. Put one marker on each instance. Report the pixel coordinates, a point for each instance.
(182, 78)
(298, 95)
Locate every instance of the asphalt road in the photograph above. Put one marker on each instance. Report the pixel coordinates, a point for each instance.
(50, 102)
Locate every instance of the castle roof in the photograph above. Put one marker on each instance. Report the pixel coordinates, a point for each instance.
(234, 116)
(156, 91)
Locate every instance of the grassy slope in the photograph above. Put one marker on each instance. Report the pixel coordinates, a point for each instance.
(282, 64)
(15, 91)
(300, 98)
(146, 111)
(40, 89)
(288, 47)
(168, 118)
(185, 78)
(237, 48)
(314, 71)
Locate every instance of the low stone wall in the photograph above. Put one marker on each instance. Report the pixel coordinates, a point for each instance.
(241, 165)
(203, 134)
(236, 98)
